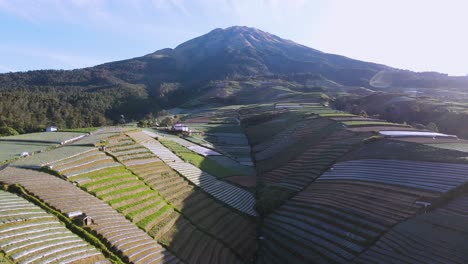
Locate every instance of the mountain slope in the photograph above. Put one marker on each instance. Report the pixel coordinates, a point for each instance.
(169, 77)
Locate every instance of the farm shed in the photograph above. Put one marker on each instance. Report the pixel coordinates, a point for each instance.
(180, 127)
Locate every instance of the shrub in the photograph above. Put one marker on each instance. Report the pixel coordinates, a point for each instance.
(8, 131)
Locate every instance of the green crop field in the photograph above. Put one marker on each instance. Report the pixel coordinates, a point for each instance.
(371, 123)
(80, 130)
(205, 164)
(12, 150)
(46, 137)
(51, 155)
(331, 115)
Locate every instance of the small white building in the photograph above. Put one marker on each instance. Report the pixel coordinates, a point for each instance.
(51, 129)
(180, 127)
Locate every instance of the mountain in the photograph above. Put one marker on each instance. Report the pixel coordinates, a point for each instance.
(169, 77)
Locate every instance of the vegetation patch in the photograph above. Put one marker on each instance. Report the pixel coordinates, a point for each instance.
(371, 123)
(203, 163)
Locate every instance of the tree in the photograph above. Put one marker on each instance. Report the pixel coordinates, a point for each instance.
(8, 131)
(142, 123)
(363, 114)
(168, 121)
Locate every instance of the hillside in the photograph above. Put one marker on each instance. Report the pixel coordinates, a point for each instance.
(142, 86)
(139, 86)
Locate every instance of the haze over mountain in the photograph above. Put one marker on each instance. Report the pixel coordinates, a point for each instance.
(169, 77)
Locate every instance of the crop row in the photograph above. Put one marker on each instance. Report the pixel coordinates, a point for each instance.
(427, 238)
(200, 208)
(125, 238)
(305, 168)
(225, 192)
(335, 222)
(437, 177)
(137, 201)
(29, 235)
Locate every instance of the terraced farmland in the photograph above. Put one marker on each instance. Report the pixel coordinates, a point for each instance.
(83, 163)
(302, 170)
(44, 137)
(124, 149)
(327, 192)
(206, 164)
(68, 150)
(201, 209)
(128, 194)
(436, 237)
(131, 243)
(30, 235)
(233, 196)
(436, 177)
(13, 146)
(336, 221)
(289, 136)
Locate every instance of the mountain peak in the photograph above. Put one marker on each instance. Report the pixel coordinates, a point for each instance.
(236, 39)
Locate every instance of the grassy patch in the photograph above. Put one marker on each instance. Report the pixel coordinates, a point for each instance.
(336, 115)
(4, 259)
(80, 130)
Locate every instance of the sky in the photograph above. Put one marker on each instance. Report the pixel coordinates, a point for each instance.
(419, 35)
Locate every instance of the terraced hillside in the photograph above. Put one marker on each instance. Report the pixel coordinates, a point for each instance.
(322, 199)
(13, 146)
(219, 129)
(233, 196)
(436, 237)
(30, 235)
(144, 206)
(191, 201)
(328, 187)
(131, 243)
(70, 149)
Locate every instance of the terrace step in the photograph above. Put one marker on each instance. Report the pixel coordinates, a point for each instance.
(65, 197)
